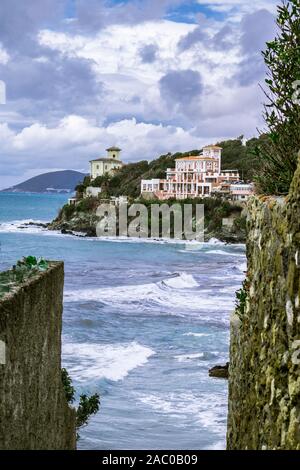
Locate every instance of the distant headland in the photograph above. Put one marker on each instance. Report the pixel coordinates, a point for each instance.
(55, 182)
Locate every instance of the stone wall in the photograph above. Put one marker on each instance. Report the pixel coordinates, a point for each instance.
(34, 413)
(264, 384)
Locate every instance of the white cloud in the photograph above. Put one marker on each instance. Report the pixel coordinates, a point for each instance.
(132, 86)
(237, 8)
(75, 140)
(4, 57)
(131, 109)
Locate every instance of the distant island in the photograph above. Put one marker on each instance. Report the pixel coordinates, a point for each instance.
(54, 182)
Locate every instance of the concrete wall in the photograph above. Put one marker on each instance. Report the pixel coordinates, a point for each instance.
(264, 383)
(34, 413)
(92, 192)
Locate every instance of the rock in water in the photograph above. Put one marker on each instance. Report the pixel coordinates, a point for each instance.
(221, 372)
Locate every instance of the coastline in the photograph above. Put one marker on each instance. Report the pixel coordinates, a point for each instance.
(164, 309)
(32, 227)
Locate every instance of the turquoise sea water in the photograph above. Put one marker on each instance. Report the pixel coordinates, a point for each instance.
(143, 323)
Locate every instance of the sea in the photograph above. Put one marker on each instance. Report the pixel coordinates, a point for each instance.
(143, 323)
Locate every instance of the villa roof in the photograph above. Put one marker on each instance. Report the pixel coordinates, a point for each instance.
(197, 157)
(107, 160)
(113, 149)
(188, 158)
(213, 147)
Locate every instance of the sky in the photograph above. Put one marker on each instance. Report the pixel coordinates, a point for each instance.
(150, 76)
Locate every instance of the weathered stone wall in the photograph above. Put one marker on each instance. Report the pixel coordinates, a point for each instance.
(264, 383)
(34, 413)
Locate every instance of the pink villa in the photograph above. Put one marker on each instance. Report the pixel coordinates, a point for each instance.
(197, 176)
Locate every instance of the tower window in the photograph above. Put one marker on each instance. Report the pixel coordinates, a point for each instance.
(114, 156)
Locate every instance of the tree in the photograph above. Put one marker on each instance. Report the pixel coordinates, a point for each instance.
(279, 150)
(88, 405)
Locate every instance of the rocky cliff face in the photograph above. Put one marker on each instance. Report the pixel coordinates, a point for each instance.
(264, 376)
(223, 220)
(33, 407)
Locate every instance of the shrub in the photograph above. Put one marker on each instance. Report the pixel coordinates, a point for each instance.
(23, 270)
(87, 204)
(67, 211)
(240, 223)
(87, 407)
(68, 387)
(80, 188)
(241, 299)
(278, 151)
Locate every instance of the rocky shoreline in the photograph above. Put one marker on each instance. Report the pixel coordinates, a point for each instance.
(82, 221)
(219, 372)
(89, 231)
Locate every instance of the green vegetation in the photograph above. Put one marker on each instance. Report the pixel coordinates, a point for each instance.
(68, 387)
(214, 211)
(87, 407)
(67, 210)
(241, 299)
(127, 180)
(242, 157)
(278, 152)
(23, 270)
(83, 216)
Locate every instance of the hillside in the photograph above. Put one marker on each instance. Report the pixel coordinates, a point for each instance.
(56, 181)
(127, 180)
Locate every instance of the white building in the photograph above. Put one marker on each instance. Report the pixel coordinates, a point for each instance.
(106, 165)
(92, 191)
(150, 186)
(241, 191)
(193, 176)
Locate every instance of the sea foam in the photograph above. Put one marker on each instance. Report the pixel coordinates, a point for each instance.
(208, 410)
(89, 361)
(177, 295)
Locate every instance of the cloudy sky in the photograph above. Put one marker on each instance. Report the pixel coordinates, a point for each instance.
(150, 76)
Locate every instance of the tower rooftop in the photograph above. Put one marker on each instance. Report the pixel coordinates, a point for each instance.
(113, 149)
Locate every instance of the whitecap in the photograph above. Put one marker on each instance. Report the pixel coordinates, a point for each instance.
(215, 241)
(181, 281)
(89, 361)
(205, 410)
(226, 253)
(26, 225)
(206, 356)
(177, 295)
(196, 335)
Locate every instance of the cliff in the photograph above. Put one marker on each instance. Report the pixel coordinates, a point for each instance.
(33, 407)
(224, 220)
(264, 375)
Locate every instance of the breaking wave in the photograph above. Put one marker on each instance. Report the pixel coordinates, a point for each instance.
(176, 295)
(88, 361)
